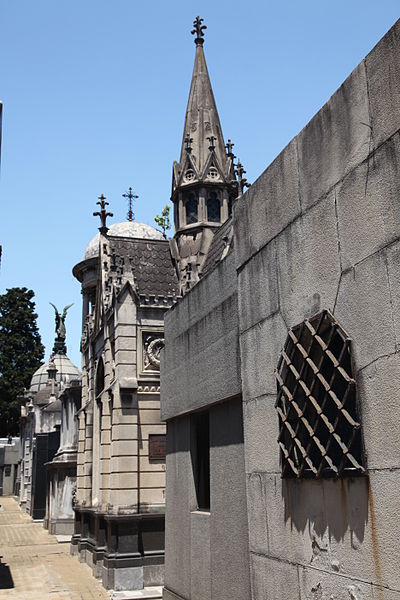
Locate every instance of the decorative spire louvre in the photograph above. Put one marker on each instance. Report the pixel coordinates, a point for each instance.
(131, 196)
(103, 214)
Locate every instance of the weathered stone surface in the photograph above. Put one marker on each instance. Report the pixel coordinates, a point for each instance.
(273, 579)
(260, 347)
(261, 434)
(308, 263)
(367, 205)
(380, 423)
(200, 556)
(393, 261)
(335, 140)
(202, 354)
(317, 585)
(258, 280)
(364, 310)
(178, 507)
(269, 205)
(383, 72)
(229, 540)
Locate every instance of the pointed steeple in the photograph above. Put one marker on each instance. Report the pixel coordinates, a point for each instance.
(202, 119)
(204, 183)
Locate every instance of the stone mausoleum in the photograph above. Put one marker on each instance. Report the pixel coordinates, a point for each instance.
(41, 421)
(281, 367)
(128, 282)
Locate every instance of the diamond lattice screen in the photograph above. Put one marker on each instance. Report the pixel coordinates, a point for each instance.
(319, 431)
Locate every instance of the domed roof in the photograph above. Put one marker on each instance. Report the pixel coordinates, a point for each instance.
(66, 371)
(129, 229)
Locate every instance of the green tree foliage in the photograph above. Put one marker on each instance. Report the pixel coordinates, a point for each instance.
(21, 353)
(163, 220)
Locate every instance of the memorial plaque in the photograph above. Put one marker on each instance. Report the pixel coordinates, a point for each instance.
(157, 447)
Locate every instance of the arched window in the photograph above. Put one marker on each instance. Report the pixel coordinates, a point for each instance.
(99, 387)
(191, 207)
(213, 207)
(319, 428)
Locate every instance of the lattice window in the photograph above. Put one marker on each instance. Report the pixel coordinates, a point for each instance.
(319, 430)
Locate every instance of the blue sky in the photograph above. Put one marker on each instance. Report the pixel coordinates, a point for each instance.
(95, 92)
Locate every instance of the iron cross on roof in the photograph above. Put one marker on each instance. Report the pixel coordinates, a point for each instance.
(103, 214)
(131, 196)
(198, 31)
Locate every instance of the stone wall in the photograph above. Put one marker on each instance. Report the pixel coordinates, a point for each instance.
(206, 550)
(320, 229)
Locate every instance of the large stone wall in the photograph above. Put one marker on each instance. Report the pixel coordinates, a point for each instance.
(206, 550)
(201, 363)
(320, 229)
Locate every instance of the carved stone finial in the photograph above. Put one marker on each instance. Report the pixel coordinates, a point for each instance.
(211, 139)
(229, 149)
(61, 333)
(242, 181)
(131, 196)
(103, 214)
(188, 143)
(198, 31)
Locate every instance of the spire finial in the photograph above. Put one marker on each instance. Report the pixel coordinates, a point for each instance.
(229, 149)
(131, 196)
(211, 139)
(242, 181)
(188, 143)
(103, 214)
(198, 31)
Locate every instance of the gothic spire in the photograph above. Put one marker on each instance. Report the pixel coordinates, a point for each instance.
(202, 120)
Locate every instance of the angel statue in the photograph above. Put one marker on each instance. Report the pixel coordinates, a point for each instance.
(59, 343)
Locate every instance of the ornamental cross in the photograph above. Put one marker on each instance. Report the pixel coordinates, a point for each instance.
(103, 214)
(198, 31)
(131, 196)
(188, 143)
(242, 181)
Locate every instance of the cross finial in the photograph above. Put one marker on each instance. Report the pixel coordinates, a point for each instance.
(198, 31)
(188, 143)
(131, 196)
(229, 149)
(242, 181)
(103, 214)
(211, 139)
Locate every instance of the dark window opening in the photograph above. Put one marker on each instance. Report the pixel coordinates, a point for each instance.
(230, 206)
(319, 428)
(213, 207)
(191, 209)
(201, 459)
(7, 470)
(99, 377)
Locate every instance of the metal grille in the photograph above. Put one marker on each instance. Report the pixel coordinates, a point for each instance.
(319, 431)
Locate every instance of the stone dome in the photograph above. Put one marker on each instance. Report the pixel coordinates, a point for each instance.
(129, 229)
(66, 372)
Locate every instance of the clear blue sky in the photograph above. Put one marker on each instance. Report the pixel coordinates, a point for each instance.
(95, 92)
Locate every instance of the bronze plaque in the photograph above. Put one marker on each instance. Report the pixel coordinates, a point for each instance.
(157, 447)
